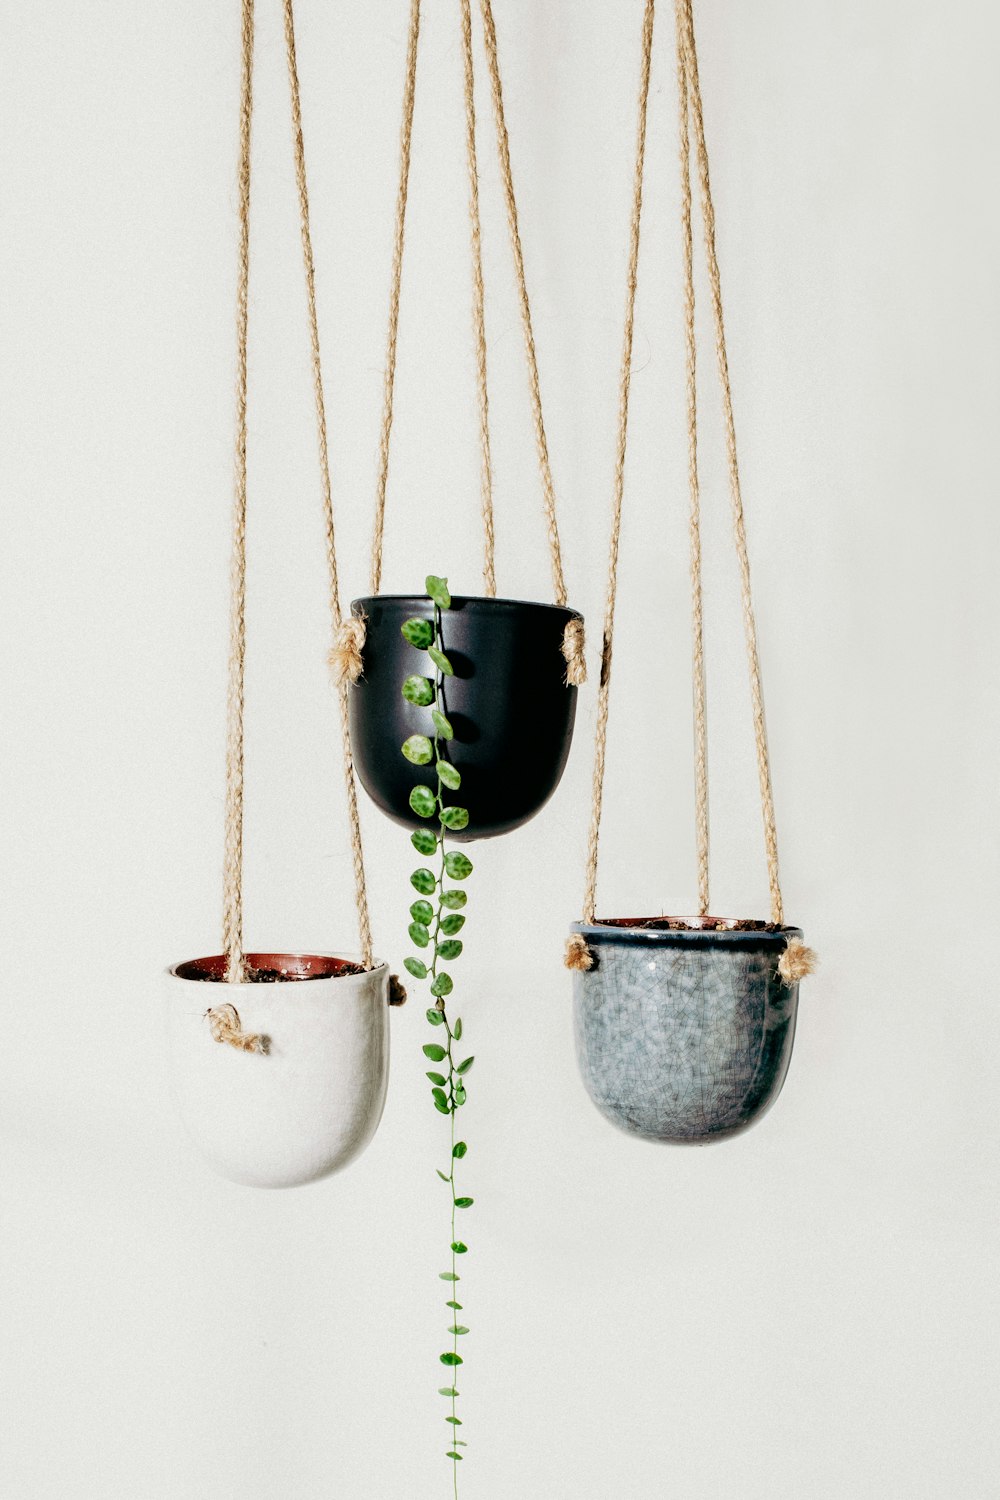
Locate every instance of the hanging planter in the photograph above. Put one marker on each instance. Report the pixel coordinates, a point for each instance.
(508, 672)
(684, 1026)
(279, 1080)
(514, 665)
(279, 1061)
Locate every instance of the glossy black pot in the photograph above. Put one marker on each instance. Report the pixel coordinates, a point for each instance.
(684, 1028)
(508, 702)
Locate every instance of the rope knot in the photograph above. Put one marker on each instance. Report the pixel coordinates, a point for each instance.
(796, 962)
(225, 1025)
(345, 655)
(397, 990)
(573, 649)
(578, 955)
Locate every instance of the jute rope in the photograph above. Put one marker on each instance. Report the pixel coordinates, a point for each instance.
(624, 387)
(232, 887)
(405, 140)
(225, 1026)
(478, 310)
(222, 1022)
(689, 56)
(336, 618)
(541, 441)
(797, 961)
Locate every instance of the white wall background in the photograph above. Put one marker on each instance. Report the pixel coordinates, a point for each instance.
(806, 1311)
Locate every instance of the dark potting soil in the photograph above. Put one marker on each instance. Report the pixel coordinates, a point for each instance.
(270, 968)
(691, 924)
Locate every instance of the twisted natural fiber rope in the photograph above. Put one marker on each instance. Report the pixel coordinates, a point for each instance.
(600, 745)
(503, 148)
(225, 1025)
(686, 41)
(694, 520)
(797, 962)
(232, 889)
(478, 314)
(405, 139)
(360, 890)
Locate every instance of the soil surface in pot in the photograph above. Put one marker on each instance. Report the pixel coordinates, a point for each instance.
(270, 968)
(691, 924)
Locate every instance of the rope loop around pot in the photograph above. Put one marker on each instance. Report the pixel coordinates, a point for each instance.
(692, 129)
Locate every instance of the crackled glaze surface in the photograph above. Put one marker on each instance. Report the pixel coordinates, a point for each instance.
(683, 1036)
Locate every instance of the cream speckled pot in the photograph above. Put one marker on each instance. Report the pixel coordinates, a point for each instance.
(312, 1101)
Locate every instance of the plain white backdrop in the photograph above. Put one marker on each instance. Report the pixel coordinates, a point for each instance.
(807, 1311)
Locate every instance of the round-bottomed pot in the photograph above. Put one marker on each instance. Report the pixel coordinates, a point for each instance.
(310, 1103)
(509, 704)
(683, 1033)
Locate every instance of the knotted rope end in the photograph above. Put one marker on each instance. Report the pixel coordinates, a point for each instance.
(345, 657)
(574, 650)
(797, 962)
(578, 955)
(397, 990)
(225, 1025)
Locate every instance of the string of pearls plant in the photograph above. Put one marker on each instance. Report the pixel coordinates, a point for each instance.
(436, 919)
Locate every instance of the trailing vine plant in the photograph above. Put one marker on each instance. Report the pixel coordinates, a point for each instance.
(436, 920)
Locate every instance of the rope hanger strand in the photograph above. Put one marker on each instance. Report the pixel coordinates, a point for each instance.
(233, 863)
(691, 121)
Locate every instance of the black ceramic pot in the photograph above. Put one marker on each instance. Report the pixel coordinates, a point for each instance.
(509, 704)
(683, 1033)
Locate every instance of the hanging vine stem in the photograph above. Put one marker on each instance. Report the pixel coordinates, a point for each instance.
(437, 918)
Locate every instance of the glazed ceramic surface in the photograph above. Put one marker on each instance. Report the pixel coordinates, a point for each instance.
(509, 704)
(683, 1036)
(308, 1106)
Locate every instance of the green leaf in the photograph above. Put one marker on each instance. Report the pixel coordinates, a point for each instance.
(460, 1149)
(443, 985)
(464, 1202)
(424, 840)
(452, 1454)
(452, 1359)
(456, 1305)
(419, 633)
(437, 1078)
(454, 899)
(440, 1096)
(458, 1329)
(448, 776)
(434, 1052)
(441, 1175)
(455, 1421)
(444, 1108)
(455, 818)
(423, 881)
(449, 949)
(422, 911)
(458, 865)
(456, 1030)
(449, 925)
(418, 690)
(435, 1016)
(460, 1096)
(423, 801)
(440, 661)
(419, 936)
(437, 588)
(442, 725)
(448, 1276)
(415, 967)
(459, 1248)
(464, 1067)
(447, 1390)
(418, 749)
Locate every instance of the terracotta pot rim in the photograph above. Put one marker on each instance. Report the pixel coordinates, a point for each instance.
(474, 602)
(274, 968)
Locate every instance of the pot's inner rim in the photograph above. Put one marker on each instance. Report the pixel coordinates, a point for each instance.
(462, 601)
(692, 924)
(270, 968)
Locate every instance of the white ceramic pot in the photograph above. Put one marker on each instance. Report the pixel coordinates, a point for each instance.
(310, 1098)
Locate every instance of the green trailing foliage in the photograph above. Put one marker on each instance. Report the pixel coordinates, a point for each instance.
(435, 921)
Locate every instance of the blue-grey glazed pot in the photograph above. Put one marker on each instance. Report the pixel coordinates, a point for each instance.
(683, 1032)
